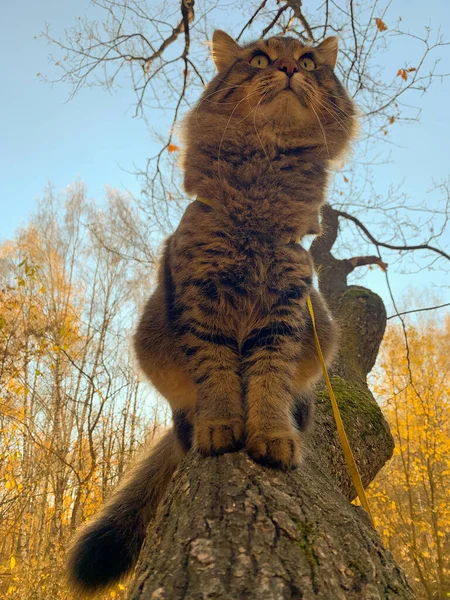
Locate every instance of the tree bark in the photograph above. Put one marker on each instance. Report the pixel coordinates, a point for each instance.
(229, 528)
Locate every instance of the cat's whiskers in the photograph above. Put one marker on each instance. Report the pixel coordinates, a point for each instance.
(256, 130)
(321, 127)
(333, 116)
(335, 111)
(217, 92)
(228, 122)
(261, 112)
(264, 94)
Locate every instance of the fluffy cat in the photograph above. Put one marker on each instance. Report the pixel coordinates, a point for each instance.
(226, 337)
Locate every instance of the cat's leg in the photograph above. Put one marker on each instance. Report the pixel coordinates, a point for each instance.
(270, 358)
(271, 355)
(214, 367)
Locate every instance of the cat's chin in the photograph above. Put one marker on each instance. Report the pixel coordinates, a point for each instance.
(287, 109)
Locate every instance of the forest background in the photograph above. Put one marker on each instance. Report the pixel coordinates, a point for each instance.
(77, 263)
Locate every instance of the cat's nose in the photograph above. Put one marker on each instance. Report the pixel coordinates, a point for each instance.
(288, 66)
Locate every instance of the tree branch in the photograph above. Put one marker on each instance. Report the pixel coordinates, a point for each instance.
(416, 310)
(377, 243)
(362, 261)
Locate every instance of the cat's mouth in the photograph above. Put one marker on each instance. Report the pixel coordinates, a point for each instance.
(300, 96)
(287, 97)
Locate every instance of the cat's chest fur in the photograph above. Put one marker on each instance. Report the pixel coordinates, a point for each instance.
(239, 276)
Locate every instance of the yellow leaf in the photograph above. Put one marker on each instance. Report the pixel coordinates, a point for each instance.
(12, 562)
(121, 586)
(381, 25)
(172, 148)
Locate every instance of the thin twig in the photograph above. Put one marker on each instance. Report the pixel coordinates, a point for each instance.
(416, 310)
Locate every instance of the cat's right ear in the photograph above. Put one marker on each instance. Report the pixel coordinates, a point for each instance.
(224, 49)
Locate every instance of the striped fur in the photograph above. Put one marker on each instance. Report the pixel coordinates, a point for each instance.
(226, 337)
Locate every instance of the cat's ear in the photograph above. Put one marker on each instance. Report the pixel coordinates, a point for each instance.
(328, 51)
(224, 49)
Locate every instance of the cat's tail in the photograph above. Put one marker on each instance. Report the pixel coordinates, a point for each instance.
(108, 546)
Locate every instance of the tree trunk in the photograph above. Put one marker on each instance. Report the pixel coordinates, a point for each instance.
(229, 528)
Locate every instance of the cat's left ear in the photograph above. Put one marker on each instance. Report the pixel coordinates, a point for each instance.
(224, 49)
(328, 51)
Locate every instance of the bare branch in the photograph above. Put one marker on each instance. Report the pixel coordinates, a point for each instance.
(377, 243)
(362, 261)
(416, 310)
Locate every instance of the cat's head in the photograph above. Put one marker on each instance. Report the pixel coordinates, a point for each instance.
(279, 84)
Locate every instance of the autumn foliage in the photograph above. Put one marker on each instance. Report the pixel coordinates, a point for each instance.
(72, 409)
(410, 496)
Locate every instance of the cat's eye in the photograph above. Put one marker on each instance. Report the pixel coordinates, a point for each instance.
(260, 61)
(307, 63)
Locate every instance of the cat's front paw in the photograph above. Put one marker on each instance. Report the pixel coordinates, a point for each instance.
(278, 449)
(217, 437)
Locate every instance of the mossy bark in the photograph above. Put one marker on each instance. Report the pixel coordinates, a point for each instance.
(231, 529)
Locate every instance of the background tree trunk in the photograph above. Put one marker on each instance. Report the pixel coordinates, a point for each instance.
(229, 528)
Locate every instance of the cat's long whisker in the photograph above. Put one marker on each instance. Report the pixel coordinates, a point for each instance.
(313, 99)
(221, 90)
(338, 109)
(338, 114)
(228, 122)
(348, 130)
(333, 116)
(332, 112)
(321, 127)
(256, 130)
(317, 99)
(262, 114)
(212, 94)
(254, 108)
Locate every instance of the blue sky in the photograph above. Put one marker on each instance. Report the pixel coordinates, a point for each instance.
(45, 138)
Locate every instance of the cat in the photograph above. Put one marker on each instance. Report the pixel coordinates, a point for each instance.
(226, 337)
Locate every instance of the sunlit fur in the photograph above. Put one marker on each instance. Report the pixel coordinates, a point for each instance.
(226, 337)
